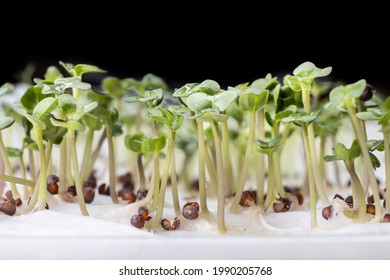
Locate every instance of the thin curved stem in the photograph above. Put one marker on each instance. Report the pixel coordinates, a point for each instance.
(366, 157)
(319, 181)
(96, 152)
(271, 184)
(175, 192)
(386, 143)
(87, 154)
(164, 180)
(17, 180)
(111, 163)
(76, 173)
(228, 178)
(141, 173)
(221, 191)
(8, 167)
(63, 167)
(248, 155)
(154, 190)
(201, 166)
(42, 171)
(312, 189)
(359, 203)
(260, 178)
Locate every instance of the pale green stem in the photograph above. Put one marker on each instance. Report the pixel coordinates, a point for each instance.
(221, 191)
(26, 192)
(321, 156)
(359, 203)
(96, 152)
(276, 164)
(278, 174)
(87, 155)
(312, 189)
(31, 163)
(164, 180)
(49, 148)
(8, 167)
(175, 192)
(239, 156)
(111, 163)
(386, 143)
(212, 185)
(364, 166)
(201, 166)
(34, 196)
(63, 167)
(336, 167)
(366, 157)
(17, 180)
(154, 189)
(228, 178)
(269, 200)
(319, 181)
(42, 171)
(69, 177)
(76, 172)
(140, 171)
(260, 174)
(248, 155)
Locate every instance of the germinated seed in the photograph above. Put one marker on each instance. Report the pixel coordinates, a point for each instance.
(282, 205)
(327, 212)
(349, 201)
(7, 206)
(189, 212)
(137, 221)
(141, 194)
(52, 183)
(386, 218)
(166, 224)
(72, 190)
(193, 203)
(102, 189)
(144, 213)
(370, 209)
(128, 195)
(18, 201)
(175, 224)
(247, 199)
(89, 194)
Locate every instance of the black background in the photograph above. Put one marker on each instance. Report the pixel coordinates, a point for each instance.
(180, 53)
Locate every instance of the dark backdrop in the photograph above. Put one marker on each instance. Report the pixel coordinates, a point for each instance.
(223, 52)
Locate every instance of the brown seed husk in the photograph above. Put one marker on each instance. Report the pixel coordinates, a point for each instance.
(89, 194)
(166, 224)
(327, 212)
(7, 206)
(137, 221)
(189, 212)
(370, 209)
(386, 218)
(128, 195)
(247, 199)
(144, 213)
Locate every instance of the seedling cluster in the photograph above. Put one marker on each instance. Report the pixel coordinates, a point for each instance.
(236, 137)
